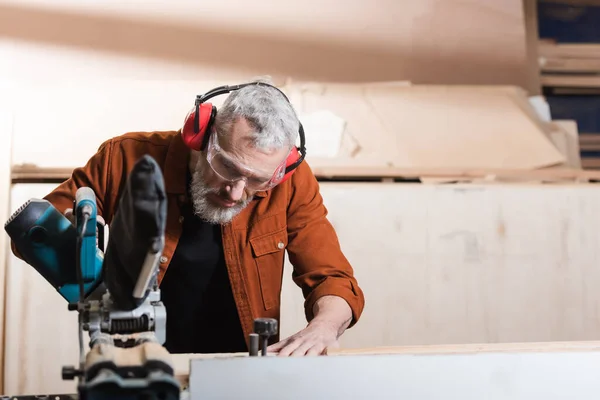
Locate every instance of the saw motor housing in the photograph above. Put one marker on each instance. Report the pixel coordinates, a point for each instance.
(125, 318)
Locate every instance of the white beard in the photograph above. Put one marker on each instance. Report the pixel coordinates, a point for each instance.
(203, 207)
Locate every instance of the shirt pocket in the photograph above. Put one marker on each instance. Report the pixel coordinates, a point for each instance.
(269, 255)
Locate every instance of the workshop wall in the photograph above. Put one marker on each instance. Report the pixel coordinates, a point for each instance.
(429, 41)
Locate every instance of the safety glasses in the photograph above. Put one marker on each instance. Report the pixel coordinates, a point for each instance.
(230, 170)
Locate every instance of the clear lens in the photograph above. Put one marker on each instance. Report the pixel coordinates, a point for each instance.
(231, 171)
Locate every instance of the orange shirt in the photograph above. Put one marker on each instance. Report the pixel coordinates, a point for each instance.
(289, 217)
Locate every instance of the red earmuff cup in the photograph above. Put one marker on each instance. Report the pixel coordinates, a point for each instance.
(292, 158)
(192, 139)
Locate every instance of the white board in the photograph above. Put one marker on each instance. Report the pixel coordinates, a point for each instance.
(465, 263)
(510, 376)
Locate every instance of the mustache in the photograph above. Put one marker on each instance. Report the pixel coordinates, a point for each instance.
(201, 189)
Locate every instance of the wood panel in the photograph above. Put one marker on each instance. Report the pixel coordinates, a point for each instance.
(181, 362)
(6, 122)
(41, 334)
(33, 174)
(467, 41)
(465, 263)
(78, 117)
(432, 126)
(487, 375)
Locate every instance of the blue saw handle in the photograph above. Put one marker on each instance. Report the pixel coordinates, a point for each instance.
(85, 204)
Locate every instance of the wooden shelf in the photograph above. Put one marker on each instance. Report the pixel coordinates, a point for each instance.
(29, 173)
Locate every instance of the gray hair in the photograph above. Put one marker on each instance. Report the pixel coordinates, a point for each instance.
(266, 110)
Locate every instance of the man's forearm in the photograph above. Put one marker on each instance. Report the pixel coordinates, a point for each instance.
(333, 311)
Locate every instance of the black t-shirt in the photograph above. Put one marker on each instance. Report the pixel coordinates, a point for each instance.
(201, 312)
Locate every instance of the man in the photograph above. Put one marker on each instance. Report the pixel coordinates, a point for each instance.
(231, 217)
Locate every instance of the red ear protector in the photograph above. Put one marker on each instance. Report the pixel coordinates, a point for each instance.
(197, 126)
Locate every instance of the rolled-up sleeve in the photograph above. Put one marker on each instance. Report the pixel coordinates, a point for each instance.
(320, 267)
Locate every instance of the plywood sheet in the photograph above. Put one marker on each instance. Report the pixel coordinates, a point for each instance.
(465, 263)
(6, 122)
(78, 116)
(428, 41)
(429, 126)
(564, 134)
(41, 334)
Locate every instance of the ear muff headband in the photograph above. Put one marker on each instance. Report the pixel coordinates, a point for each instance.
(196, 131)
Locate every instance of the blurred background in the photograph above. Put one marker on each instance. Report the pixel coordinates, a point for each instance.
(457, 145)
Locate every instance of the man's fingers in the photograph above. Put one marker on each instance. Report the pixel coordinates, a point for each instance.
(290, 348)
(302, 349)
(317, 350)
(278, 346)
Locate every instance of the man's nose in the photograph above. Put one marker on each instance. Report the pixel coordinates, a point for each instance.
(236, 190)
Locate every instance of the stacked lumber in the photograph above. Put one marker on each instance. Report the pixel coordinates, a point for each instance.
(388, 131)
(568, 54)
(435, 133)
(590, 147)
(569, 46)
(569, 65)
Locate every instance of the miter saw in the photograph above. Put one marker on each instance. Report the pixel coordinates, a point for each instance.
(115, 292)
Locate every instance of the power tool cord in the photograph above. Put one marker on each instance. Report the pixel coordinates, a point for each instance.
(85, 218)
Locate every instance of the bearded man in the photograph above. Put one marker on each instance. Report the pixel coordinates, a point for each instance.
(239, 196)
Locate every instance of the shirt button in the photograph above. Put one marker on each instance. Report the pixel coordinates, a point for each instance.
(280, 245)
(163, 259)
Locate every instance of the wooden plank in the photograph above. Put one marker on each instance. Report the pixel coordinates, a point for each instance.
(549, 50)
(574, 2)
(475, 348)
(545, 174)
(590, 147)
(432, 126)
(589, 138)
(6, 132)
(590, 142)
(181, 362)
(576, 81)
(565, 136)
(457, 264)
(70, 141)
(576, 65)
(532, 38)
(590, 162)
(34, 174)
(396, 41)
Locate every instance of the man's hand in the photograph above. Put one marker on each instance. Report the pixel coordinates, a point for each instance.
(332, 315)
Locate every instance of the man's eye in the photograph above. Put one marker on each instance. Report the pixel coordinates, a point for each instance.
(229, 166)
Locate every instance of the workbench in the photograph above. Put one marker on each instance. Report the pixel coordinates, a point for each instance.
(515, 371)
